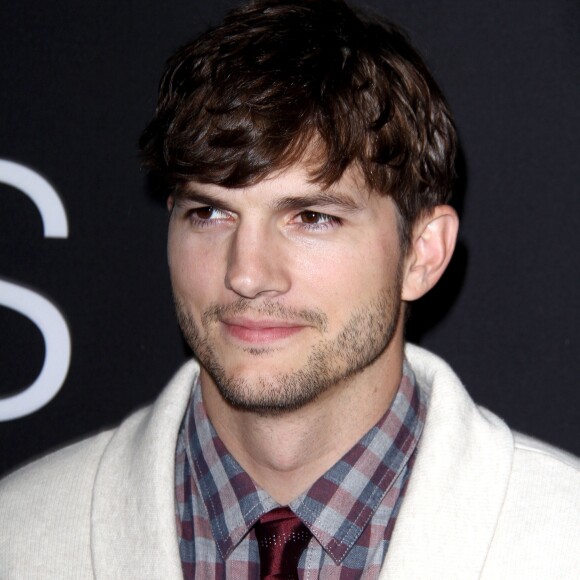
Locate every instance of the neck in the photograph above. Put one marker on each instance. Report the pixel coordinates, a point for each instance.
(287, 452)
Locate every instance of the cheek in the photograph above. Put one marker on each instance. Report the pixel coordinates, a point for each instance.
(335, 279)
(357, 273)
(195, 271)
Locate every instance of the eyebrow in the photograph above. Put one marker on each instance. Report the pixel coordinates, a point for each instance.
(318, 199)
(203, 198)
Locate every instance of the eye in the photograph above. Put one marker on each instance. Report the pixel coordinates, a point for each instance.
(207, 215)
(204, 213)
(312, 217)
(316, 219)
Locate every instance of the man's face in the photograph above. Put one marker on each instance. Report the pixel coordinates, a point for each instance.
(284, 289)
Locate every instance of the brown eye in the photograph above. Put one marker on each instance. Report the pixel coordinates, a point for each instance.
(310, 217)
(204, 213)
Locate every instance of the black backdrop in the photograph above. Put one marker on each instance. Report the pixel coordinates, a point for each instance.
(78, 83)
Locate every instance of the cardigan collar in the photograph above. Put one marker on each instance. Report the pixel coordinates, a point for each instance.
(459, 482)
(444, 529)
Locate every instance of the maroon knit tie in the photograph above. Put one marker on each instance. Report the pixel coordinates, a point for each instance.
(281, 538)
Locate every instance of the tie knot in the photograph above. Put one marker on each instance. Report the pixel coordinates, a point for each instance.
(282, 538)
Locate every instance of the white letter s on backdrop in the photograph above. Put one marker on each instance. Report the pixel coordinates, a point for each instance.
(39, 310)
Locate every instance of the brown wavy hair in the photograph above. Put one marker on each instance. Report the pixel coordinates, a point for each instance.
(307, 81)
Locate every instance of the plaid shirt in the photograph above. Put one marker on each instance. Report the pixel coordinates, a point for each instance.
(351, 510)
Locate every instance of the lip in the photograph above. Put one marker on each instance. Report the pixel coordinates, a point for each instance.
(260, 331)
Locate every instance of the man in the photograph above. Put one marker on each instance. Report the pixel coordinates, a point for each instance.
(307, 158)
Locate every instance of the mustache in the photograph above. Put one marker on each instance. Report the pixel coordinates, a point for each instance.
(275, 310)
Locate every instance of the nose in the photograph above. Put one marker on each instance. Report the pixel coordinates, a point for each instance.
(256, 262)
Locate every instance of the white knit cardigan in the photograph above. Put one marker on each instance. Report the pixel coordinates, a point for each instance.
(482, 501)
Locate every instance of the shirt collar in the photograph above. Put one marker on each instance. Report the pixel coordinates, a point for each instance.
(341, 503)
(338, 506)
(232, 500)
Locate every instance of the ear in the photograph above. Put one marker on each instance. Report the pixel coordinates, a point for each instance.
(170, 203)
(430, 250)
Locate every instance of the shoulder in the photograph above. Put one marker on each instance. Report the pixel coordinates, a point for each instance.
(71, 470)
(533, 450)
(543, 475)
(45, 511)
(539, 526)
(516, 497)
(55, 468)
(541, 471)
(53, 509)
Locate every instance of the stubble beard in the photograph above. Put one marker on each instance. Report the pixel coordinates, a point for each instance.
(363, 339)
